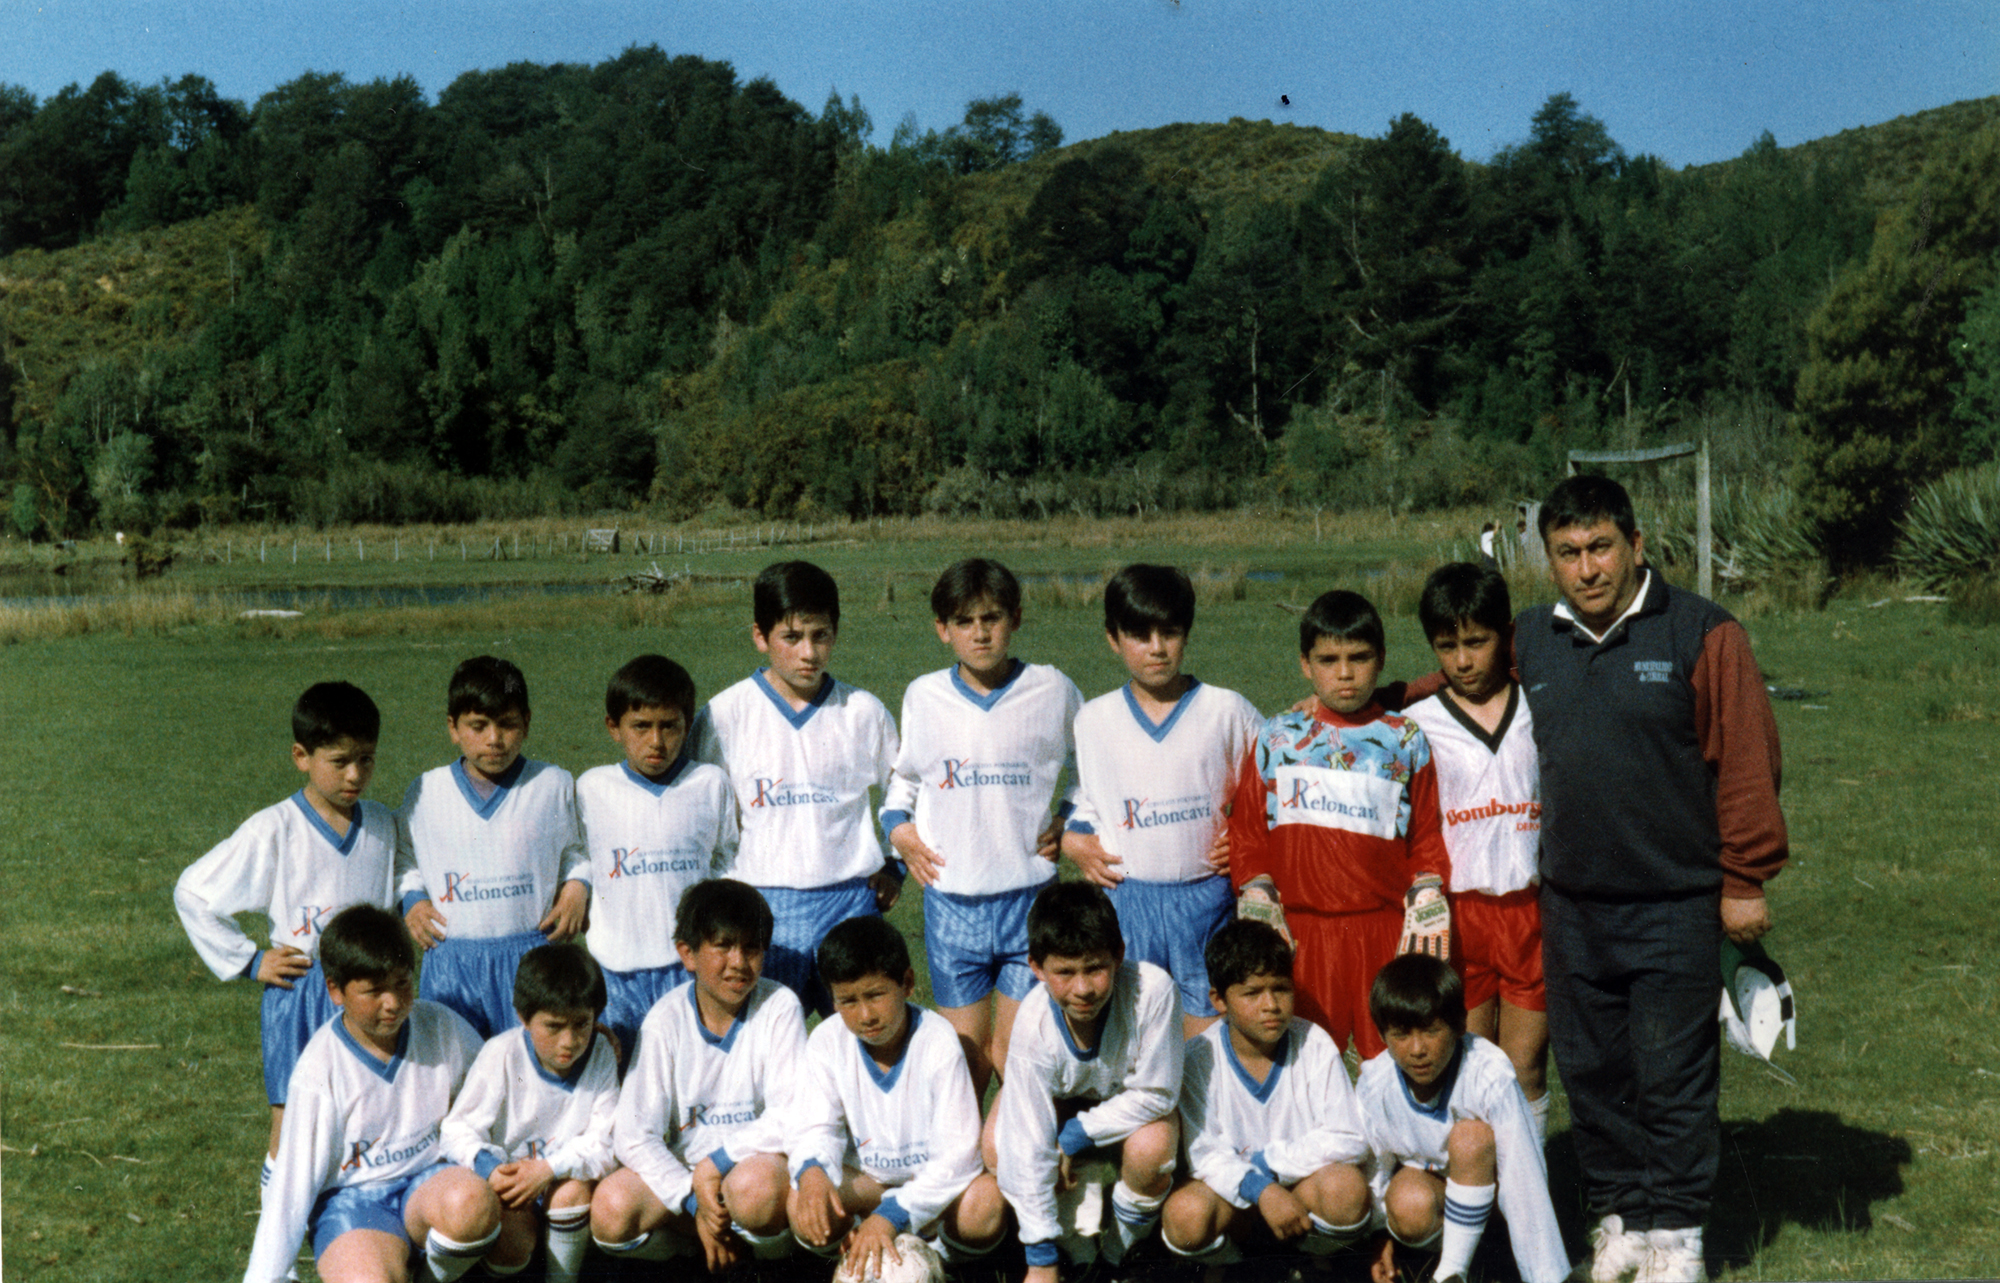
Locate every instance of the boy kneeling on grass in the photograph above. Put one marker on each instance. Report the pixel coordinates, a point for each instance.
(359, 1167)
(1450, 1128)
(534, 1118)
(1273, 1133)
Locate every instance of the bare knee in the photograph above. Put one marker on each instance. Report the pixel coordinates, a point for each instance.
(1415, 1205)
(755, 1192)
(1470, 1149)
(1190, 1217)
(1337, 1194)
(981, 1212)
(617, 1207)
(1147, 1163)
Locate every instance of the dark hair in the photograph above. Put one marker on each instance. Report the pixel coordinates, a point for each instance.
(650, 681)
(722, 910)
(788, 588)
(558, 978)
(1344, 616)
(1141, 598)
(1464, 593)
(1413, 990)
(1243, 948)
(1585, 500)
(365, 942)
(330, 711)
(865, 946)
(487, 686)
(965, 582)
(1071, 920)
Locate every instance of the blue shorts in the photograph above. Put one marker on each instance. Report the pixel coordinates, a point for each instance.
(629, 995)
(801, 918)
(289, 1019)
(377, 1205)
(475, 978)
(1168, 924)
(976, 943)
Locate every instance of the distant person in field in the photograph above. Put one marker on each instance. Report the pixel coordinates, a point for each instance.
(298, 863)
(1489, 535)
(493, 862)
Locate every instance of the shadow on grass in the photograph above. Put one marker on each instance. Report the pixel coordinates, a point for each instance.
(1799, 1166)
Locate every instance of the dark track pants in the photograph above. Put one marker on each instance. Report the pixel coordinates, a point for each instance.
(1632, 989)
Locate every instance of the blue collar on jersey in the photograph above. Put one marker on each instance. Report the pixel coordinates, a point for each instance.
(562, 1082)
(667, 777)
(799, 717)
(1069, 1039)
(1260, 1092)
(986, 702)
(1165, 726)
(1438, 1106)
(885, 1079)
(724, 1041)
(484, 807)
(386, 1072)
(344, 845)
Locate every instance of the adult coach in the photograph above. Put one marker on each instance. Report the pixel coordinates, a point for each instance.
(1660, 826)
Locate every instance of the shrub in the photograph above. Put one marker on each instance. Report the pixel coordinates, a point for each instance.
(1951, 534)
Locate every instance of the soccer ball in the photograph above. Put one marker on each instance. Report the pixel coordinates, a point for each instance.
(920, 1264)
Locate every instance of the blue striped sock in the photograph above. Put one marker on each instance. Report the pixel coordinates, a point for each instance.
(1466, 1208)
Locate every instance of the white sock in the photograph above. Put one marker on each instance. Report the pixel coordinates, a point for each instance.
(766, 1247)
(569, 1239)
(1221, 1250)
(1539, 1109)
(646, 1247)
(449, 1258)
(1325, 1238)
(264, 1176)
(1466, 1208)
(1133, 1217)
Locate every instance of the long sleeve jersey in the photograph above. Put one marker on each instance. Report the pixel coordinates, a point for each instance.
(650, 840)
(913, 1127)
(1133, 1073)
(976, 774)
(285, 862)
(350, 1119)
(1489, 788)
(490, 865)
(511, 1108)
(1242, 1135)
(692, 1095)
(1341, 810)
(1154, 793)
(801, 779)
(1478, 1085)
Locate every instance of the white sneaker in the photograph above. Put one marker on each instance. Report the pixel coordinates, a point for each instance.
(1615, 1251)
(1673, 1256)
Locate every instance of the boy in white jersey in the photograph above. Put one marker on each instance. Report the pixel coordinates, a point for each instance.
(534, 1117)
(1094, 1065)
(700, 1115)
(1450, 1130)
(655, 824)
(298, 863)
(1156, 761)
(802, 751)
(493, 862)
(359, 1168)
(985, 743)
(884, 1138)
(1274, 1141)
(1482, 739)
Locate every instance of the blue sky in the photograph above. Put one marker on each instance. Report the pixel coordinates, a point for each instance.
(1691, 82)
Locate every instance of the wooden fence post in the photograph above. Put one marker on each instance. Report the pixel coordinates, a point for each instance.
(1704, 526)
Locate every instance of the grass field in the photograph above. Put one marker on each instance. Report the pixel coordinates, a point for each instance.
(131, 1111)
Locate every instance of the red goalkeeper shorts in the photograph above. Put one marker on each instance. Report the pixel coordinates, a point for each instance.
(1497, 947)
(1338, 956)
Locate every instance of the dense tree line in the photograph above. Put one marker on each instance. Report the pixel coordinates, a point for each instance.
(565, 287)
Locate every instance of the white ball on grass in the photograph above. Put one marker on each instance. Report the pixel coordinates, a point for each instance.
(920, 1264)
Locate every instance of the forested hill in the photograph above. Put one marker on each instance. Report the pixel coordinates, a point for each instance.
(565, 287)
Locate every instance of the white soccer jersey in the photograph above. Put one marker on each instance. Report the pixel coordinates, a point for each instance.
(1490, 790)
(977, 773)
(491, 866)
(511, 1108)
(915, 1128)
(350, 1119)
(285, 862)
(801, 779)
(690, 1093)
(1134, 1073)
(649, 841)
(1153, 792)
(1479, 1085)
(1301, 1118)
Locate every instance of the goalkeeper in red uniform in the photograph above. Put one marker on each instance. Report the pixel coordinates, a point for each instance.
(1336, 817)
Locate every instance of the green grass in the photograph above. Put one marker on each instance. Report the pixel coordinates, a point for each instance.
(126, 756)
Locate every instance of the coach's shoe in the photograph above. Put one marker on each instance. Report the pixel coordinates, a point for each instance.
(1673, 1256)
(1615, 1251)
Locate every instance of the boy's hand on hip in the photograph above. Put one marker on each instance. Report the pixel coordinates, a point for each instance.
(923, 863)
(282, 964)
(1096, 864)
(569, 915)
(426, 924)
